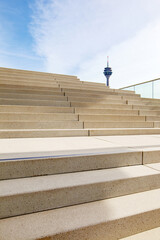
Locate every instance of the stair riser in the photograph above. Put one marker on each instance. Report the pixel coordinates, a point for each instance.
(38, 78)
(113, 132)
(26, 83)
(149, 99)
(32, 96)
(157, 108)
(87, 91)
(151, 157)
(132, 97)
(28, 80)
(153, 118)
(43, 134)
(90, 95)
(95, 105)
(42, 125)
(106, 111)
(39, 167)
(31, 91)
(84, 86)
(37, 117)
(34, 102)
(35, 109)
(96, 100)
(14, 205)
(105, 118)
(23, 87)
(149, 113)
(118, 125)
(140, 102)
(157, 124)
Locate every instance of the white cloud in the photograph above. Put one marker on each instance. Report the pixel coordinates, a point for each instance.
(76, 36)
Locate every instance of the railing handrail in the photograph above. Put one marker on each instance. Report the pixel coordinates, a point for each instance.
(156, 79)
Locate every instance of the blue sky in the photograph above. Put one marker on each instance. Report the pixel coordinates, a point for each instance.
(16, 42)
(75, 37)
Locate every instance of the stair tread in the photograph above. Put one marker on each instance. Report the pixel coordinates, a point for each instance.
(68, 180)
(88, 217)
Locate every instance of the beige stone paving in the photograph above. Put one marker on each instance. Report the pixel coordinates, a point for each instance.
(153, 234)
(77, 145)
(111, 217)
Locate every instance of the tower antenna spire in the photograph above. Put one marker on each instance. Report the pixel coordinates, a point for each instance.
(107, 61)
(107, 72)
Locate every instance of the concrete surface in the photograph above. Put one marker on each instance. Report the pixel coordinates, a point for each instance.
(106, 219)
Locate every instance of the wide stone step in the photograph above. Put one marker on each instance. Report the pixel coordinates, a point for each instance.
(33, 102)
(66, 124)
(124, 91)
(80, 85)
(106, 219)
(14, 75)
(151, 103)
(156, 124)
(15, 90)
(93, 95)
(97, 91)
(49, 117)
(67, 81)
(118, 124)
(15, 166)
(42, 133)
(90, 91)
(96, 100)
(151, 99)
(35, 109)
(27, 79)
(148, 107)
(40, 75)
(26, 87)
(33, 96)
(153, 118)
(26, 83)
(140, 102)
(149, 113)
(100, 105)
(109, 118)
(123, 131)
(29, 195)
(131, 97)
(102, 111)
(94, 83)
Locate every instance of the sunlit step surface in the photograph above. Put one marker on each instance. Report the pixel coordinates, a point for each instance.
(20, 166)
(106, 219)
(35, 109)
(28, 195)
(22, 116)
(109, 118)
(67, 124)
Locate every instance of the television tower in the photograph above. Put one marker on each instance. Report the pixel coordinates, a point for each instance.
(107, 72)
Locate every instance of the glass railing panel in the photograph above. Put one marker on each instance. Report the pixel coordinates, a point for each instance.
(144, 89)
(156, 89)
(150, 89)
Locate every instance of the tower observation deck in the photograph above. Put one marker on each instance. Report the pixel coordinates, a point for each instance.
(107, 72)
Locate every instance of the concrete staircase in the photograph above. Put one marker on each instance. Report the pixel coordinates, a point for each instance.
(90, 183)
(34, 104)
